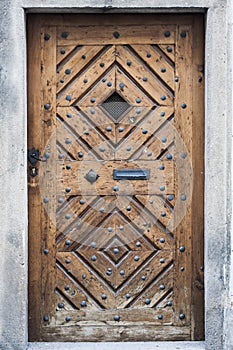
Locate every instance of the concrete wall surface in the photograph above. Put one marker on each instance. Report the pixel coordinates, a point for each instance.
(218, 173)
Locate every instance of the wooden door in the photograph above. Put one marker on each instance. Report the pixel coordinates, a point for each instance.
(115, 138)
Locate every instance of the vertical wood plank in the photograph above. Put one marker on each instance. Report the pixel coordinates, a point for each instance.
(34, 206)
(183, 138)
(48, 171)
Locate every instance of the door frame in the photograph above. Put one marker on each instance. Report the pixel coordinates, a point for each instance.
(218, 165)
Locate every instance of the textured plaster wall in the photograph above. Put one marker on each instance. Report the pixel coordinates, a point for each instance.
(13, 180)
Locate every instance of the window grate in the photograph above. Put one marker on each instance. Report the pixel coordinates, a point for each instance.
(115, 105)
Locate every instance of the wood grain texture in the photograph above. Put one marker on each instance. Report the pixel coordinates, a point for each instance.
(105, 258)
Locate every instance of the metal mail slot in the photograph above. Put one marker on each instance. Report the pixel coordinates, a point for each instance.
(131, 174)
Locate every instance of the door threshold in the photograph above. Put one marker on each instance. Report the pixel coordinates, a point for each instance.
(193, 345)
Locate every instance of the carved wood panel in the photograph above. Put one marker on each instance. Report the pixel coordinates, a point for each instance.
(114, 255)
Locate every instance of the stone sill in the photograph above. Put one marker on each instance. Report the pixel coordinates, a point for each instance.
(123, 346)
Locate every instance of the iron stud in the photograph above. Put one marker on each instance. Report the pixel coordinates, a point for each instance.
(161, 167)
(122, 272)
(144, 131)
(128, 148)
(162, 188)
(46, 318)
(108, 128)
(84, 276)
(163, 70)
(104, 296)
(162, 114)
(67, 71)
(109, 83)
(148, 54)
(128, 63)
(143, 278)
(116, 318)
(68, 189)
(60, 156)
(116, 250)
(162, 240)
(116, 35)
(83, 57)
(128, 208)
(68, 261)
(60, 200)
(202, 268)
(160, 317)
(182, 316)
(183, 34)
(176, 79)
(62, 81)
(149, 153)
(121, 85)
(64, 35)
(68, 140)
(183, 105)
(68, 242)
(82, 201)
(68, 318)
(45, 200)
(92, 176)
(109, 229)
(169, 303)
(163, 97)
(63, 51)
(147, 301)
(120, 129)
(163, 214)
(47, 106)
(162, 261)
(85, 81)
(162, 287)
(138, 100)
(86, 132)
(170, 197)
(144, 78)
(169, 49)
(67, 216)
(136, 258)
(60, 305)
(115, 188)
(46, 251)
(199, 79)
(102, 210)
(167, 33)
(68, 166)
(183, 197)
(69, 115)
(93, 258)
(83, 303)
(127, 296)
(92, 100)
(102, 64)
(182, 268)
(103, 80)
(68, 97)
(121, 227)
(46, 37)
(93, 244)
(67, 287)
(138, 244)
(169, 156)
(101, 148)
(182, 249)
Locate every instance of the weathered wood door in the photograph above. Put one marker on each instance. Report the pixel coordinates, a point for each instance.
(115, 106)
